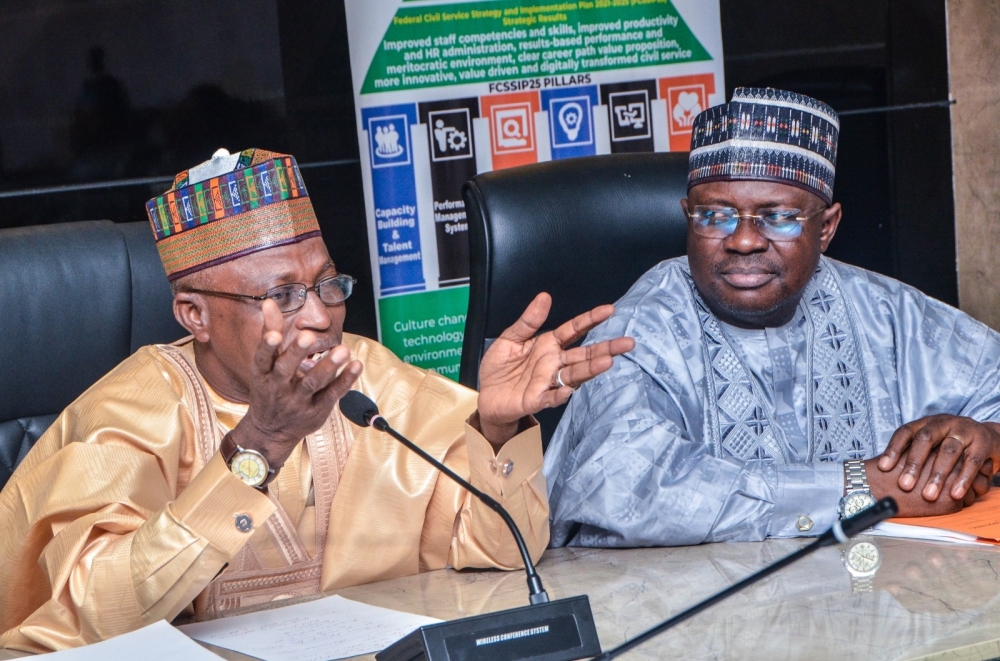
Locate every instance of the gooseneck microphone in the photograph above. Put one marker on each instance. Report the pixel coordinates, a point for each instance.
(559, 630)
(362, 411)
(840, 532)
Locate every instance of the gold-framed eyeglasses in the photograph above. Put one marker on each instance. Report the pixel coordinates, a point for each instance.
(773, 224)
(291, 297)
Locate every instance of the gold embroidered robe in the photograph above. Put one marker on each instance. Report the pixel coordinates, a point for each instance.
(124, 512)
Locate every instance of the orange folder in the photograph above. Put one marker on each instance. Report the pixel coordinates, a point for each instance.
(981, 519)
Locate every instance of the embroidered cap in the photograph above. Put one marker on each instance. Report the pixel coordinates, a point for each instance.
(230, 206)
(765, 134)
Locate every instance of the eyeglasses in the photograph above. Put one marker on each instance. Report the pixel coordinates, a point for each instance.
(291, 297)
(773, 225)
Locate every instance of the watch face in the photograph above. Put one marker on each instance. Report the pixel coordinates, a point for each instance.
(857, 501)
(864, 558)
(249, 467)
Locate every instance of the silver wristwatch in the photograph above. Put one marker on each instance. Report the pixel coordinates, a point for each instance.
(862, 559)
(857, 495)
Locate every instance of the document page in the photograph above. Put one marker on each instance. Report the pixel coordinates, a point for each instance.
(157, 642)
(980, 522)
(891, 529)
(330, 628)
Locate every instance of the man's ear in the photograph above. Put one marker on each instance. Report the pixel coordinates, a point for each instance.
(684, 205)
(192, 313)
(831, 220)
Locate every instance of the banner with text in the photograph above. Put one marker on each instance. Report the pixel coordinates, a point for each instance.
(445, 90)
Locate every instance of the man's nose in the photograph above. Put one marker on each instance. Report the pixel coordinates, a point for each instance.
(314, 314)
(747, 238)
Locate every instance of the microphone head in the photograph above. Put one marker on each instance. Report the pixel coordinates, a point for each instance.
(865, 519)
(358, 408)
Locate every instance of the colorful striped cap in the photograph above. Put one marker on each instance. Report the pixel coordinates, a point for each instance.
(230, 206)
(765, 134)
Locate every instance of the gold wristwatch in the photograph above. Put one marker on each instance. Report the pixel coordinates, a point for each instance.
(248, 465)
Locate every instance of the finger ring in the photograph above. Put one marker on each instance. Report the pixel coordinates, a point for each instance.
(560, 383)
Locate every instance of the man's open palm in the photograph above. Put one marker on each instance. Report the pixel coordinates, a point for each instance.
(523, 372)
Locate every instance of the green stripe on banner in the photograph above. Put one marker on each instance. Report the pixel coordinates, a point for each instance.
(426, 329)
(477, 42)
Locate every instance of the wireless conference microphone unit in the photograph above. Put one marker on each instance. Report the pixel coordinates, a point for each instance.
(561, 630)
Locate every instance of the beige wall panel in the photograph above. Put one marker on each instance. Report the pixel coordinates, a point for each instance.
(974, 71)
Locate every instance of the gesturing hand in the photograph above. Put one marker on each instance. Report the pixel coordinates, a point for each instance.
(521, 372)
(290, 396)
(959, 441)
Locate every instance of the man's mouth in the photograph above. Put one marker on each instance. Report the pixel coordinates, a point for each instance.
(747, 278)
(312, 360)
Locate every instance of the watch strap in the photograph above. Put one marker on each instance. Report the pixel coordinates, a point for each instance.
(228, 448)
(860, 584)
(855, 476)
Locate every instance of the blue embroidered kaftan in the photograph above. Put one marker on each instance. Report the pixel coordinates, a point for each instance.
(706, 432)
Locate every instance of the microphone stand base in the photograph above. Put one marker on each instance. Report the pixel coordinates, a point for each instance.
(560, 630)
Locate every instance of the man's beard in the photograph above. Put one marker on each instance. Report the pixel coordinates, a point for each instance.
(771, 316)
(782, 308)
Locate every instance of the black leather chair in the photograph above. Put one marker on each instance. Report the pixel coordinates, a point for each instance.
(75, 300)
(582, 229)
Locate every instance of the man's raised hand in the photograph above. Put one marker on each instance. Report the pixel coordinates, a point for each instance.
(290, 397)
(523, 373)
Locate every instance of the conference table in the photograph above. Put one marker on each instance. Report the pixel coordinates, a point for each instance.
(927, 600)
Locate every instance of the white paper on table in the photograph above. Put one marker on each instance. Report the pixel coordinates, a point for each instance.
(157, 642)
(890, 529)
(321, 630)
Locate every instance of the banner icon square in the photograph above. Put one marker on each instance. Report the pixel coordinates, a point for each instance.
(683, 105)
(571, 122)
(685, 97)
(512, 127)
(451, 134)
(629, 115)
(389, 141)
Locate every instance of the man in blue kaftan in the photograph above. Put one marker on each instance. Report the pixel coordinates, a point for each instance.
(771, 389)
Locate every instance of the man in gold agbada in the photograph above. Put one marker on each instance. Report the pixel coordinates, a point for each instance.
(139, 503)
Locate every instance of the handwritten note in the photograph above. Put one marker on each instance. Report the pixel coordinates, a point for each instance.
(157, 642)
(330, 628)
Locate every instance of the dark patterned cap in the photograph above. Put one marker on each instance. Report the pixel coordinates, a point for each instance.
(765, 134)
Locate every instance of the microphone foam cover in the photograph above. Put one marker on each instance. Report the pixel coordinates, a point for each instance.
(358, 408)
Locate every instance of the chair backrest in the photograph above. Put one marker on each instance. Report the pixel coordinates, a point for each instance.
(582, 229)
(75, 300)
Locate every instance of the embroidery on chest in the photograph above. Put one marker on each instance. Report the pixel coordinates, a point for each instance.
(838, 399)
(740, 424)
